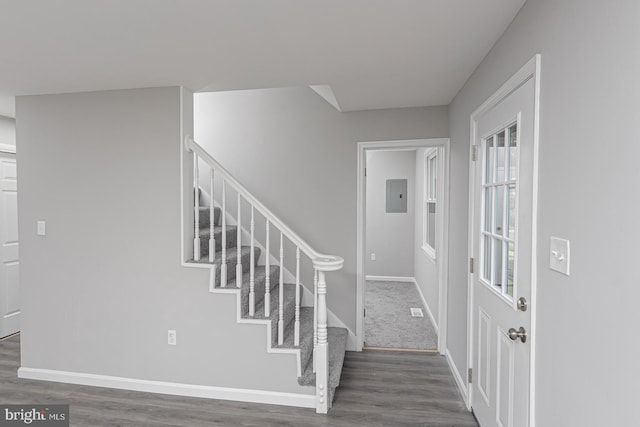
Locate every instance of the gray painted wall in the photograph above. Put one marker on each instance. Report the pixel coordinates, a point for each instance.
(298, 155)
(425, 268)
(389, 235)
(588, 190)
(101, 289)
(7, 130)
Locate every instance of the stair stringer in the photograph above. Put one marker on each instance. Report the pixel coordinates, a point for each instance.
(265, 322)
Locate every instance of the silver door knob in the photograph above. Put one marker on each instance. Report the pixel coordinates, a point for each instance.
(521, 333)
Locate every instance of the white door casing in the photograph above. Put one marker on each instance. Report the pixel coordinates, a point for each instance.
(502, 245)
(442, 238)
(9, 278)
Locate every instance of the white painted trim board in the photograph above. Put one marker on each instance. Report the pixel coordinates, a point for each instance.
(177, 389)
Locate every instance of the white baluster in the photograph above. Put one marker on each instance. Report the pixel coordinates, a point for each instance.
(296, 331)
(196, 188)
(322, 352)
(223, 263)
(212, 219)
(252, 295)
(315, 317)
(281, 296)
(267, 279)
(239, 247)
(212, 236)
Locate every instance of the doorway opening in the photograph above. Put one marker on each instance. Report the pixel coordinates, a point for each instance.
(402, 244)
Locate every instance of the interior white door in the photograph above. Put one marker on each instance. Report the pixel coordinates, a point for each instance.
(9, 280)
(503, 193)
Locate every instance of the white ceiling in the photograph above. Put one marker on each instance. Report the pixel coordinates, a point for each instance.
(372, 53)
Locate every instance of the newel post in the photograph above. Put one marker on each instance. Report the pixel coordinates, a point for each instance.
(321, 265)
(322, 351)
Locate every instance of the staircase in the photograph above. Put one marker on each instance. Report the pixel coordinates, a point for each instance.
(265, 296)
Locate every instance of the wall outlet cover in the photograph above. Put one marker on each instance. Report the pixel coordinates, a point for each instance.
(171, 337)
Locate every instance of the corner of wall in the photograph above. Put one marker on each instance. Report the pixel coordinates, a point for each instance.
(186, 171)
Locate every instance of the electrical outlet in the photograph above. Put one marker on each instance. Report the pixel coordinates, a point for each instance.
(373, 256)
(171, 337)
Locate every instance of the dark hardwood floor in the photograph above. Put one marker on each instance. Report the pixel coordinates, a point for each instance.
(378, 388)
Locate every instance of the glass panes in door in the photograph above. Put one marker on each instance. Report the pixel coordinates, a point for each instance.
(499, 200)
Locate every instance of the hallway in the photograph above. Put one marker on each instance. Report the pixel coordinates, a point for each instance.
(378, 388)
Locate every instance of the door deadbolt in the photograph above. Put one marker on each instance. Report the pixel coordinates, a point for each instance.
(522, 304)
(521, 333)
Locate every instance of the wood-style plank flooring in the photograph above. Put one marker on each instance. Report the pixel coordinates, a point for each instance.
(377, 388)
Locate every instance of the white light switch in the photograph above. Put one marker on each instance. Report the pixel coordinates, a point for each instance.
(172, 337)
(559, 255)
(42, 230)
(373, 256)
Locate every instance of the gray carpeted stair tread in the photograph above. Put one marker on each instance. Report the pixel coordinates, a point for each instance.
(306, 337)
(232, 236)
(306, 329)
(289, 309)
(205, 217)
(231, 257)
(258, 286)
(337, 349)
(245, 253)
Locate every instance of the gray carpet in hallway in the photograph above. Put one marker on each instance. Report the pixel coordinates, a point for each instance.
(388, 321)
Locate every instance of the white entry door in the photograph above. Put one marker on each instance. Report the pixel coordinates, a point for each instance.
(9, 281)
(502, 251)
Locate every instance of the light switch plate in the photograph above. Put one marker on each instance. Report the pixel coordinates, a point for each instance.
(559, 255)
(41, 229)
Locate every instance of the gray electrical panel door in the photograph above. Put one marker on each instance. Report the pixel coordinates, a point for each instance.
(396, 196)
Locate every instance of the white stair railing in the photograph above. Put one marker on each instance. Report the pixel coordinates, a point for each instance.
(321, 264)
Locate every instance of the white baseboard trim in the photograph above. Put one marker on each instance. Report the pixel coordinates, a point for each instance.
(162, 387)
(426, 305)
(462, 386)
(390, 278)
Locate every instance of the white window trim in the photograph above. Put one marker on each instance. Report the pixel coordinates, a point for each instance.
(426, 247)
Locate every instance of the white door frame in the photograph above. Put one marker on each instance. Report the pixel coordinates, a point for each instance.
(442, 259)
(531, 70)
